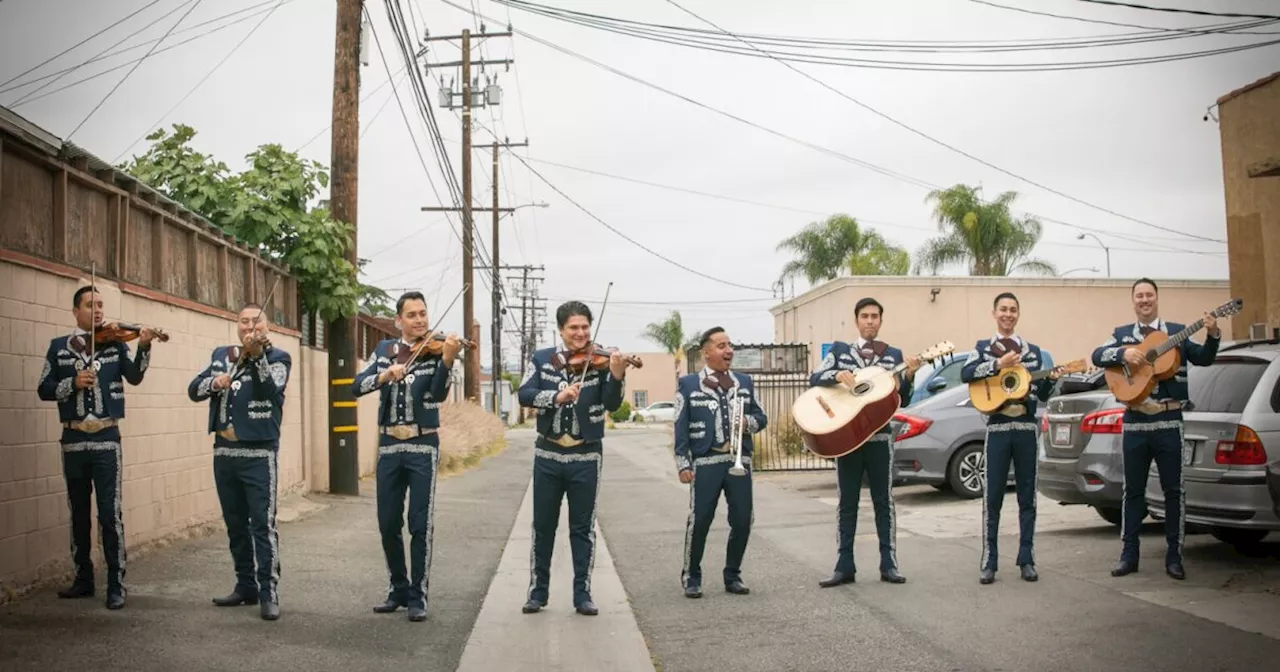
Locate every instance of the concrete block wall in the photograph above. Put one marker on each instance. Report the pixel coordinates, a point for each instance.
(168, 478)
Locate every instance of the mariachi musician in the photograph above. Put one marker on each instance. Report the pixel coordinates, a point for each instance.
(84, 372)
(875, 457)
(245, 386)
(412, 376)
(705, 432)
(573, 390)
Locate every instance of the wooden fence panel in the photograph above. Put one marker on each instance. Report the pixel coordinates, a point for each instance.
(26, 220)
(175, 266)
(138, 265)
(207, 277)
(89, 238)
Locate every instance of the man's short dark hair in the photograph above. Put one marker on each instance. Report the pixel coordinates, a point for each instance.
(1005, 295)
(706, 336)
(570, 308)
(407, 297)
(75, 301)
(1141, 281)
(868, 301)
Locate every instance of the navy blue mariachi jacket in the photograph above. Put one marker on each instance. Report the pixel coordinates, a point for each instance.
(1111, 353)
(601, 393)
(845, 357)
(983, 364)
(254, 404)
(413, 400)
(104, 400)
(702, 416)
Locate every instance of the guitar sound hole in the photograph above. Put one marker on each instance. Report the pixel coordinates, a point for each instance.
(861, 388)
(1009, 383)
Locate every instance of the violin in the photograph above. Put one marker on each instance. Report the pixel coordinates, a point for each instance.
(434, 347)
(236, 351)
(114, 332)
(594, 357)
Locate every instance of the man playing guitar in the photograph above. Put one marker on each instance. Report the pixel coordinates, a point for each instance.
(1011, 437)
(875, 457)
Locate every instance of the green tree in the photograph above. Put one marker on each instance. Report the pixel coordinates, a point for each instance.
(373, 300)
(670, 335)
(824, 250)
(985, 235)
(268, 207)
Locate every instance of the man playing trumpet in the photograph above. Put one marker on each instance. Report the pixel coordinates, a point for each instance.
(716, 414)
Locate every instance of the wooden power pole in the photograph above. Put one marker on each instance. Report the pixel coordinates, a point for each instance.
(344, 466)
(497, 280)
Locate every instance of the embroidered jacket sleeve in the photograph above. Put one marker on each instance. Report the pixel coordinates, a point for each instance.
(201, 387)
(906, 384)
(1043, 387)
(367, 381)
(51, 387)
(134, 369)
(439, 388)
(683, 462)
(1201, 355)
(1109, 353)
(611, 391)
(753, 415)
(532, 394)
(979, 365)
(825, 376)
(271, 375)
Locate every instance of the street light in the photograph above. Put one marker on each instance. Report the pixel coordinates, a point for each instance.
(1091, 269)
(1105, 249)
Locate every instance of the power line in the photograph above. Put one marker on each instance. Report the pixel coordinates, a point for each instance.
(135, 67)
(204, 79)
(77, 44)
(945, 145)
(366, 97)
(1182, 11)
(1201, 30)
(870, 166)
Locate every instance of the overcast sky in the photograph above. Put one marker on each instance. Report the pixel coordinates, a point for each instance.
(1128, 139)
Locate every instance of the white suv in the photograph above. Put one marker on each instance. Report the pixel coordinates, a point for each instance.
(658, 411)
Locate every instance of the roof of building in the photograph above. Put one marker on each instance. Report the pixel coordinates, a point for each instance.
(1249, 87)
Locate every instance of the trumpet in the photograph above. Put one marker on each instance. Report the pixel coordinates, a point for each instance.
(737, 423)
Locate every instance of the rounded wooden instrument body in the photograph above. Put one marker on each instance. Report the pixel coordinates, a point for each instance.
(1132, 386)
(836, 420)
(990, 393)
(1166, 366)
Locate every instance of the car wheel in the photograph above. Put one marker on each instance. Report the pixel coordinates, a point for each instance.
(1111, 515)
(966, 473)
(1238, 537)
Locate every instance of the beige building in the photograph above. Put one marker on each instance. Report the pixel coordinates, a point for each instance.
(656, 381)
(1249, 126)
(1068, 317)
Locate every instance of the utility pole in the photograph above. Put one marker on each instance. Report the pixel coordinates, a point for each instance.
(491, 96)
(344, 466)
(497, 282)
(528, 303)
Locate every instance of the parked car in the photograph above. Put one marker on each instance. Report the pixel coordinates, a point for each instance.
(1273, 484)
(935, 377)
(658, 411)
(1235, 416)
(939, 442)
(1081, 459)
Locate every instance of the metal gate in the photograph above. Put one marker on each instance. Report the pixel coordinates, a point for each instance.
(780, 373)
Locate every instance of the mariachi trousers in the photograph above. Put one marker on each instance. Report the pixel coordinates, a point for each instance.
(1009, 442)
(711, 477)
(1152, 438)
(94, 462)
(246, 476)
(564, 473)
(875, 459)
(408, 466)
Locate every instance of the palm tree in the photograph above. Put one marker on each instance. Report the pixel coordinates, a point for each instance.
(824, 250)
(986, 235)
(670, 335)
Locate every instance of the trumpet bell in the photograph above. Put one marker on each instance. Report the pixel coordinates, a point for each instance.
(738, 470)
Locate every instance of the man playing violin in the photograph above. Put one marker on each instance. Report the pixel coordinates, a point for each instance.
(86, 379)
(571, 402)
(245, 386)
(1011, 437)
(703, 458)
(1153, 429)
(875, 457)
(412, 383)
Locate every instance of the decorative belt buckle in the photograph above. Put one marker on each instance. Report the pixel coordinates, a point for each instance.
(91, 426)
(229, 434)
(721, 449)
(566, 441)
(402, 432)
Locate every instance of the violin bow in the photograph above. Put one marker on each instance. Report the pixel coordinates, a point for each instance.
(417, 349)
(266, 302)
(93, 289)
(604, 305)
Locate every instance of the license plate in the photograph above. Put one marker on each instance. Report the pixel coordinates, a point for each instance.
(1061, 435)
(1188, 454)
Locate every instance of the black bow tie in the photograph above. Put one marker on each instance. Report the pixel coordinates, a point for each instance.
(1144, 329)
(721, 379)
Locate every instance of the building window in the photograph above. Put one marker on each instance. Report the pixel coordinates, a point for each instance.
(641, 399)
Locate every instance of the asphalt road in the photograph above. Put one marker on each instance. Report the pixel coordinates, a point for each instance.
(1076, 617)
(333, 572)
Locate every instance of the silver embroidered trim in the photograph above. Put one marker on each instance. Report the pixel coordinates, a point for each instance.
(721, 458)
(226, 451)
(753, 425)
(83, 446)
(984, 369)
(566, 458)
(369, 382)
(144, 363)
(882, 436)
(279, 374)
(260, 403)
(697, 425)
(1157, 426)
(259, 415)
(1011, 427)
(545, 399)
(418, 448)
(65, 387)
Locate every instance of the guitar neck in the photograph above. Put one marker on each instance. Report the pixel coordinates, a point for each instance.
(1179, 338)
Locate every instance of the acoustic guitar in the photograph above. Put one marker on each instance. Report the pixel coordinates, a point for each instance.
(1012, 384)
(835, 421)
(1161, 358)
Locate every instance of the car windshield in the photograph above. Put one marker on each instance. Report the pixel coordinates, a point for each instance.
(1226, 386)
